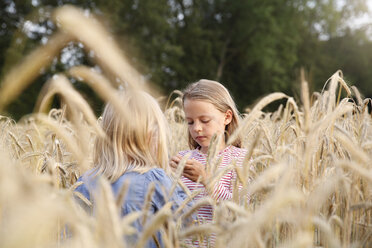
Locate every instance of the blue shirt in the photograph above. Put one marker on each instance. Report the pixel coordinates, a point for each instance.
(136, 194)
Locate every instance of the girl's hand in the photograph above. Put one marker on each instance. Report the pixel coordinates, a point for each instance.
(174, 161)
(193, 170)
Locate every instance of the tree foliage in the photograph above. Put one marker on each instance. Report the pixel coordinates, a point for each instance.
(253, 47)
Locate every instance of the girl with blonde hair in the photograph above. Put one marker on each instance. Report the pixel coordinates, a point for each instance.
(134, 151)
(209, 110)
(135, 142)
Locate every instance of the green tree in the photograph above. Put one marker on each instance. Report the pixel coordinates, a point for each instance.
(26, 25)
(253, 47)
(322, 25)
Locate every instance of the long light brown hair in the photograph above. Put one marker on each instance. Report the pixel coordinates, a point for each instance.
(216, 94)
(134, 142)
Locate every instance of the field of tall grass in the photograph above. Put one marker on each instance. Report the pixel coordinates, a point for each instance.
(308, 171)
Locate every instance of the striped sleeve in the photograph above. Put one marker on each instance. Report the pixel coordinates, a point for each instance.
(222, 191)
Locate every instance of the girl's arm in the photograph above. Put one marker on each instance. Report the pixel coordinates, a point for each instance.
(163, 185)
(221, 191)
(224, 189)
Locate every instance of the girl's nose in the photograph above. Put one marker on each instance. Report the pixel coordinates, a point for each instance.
(197, 127)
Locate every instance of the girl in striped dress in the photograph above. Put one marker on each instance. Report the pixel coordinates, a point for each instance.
(209, 110)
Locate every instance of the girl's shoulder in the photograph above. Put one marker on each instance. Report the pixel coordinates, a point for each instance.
(184, 152)
(160, 178)
(156, 173)
(196, 154)
(236, 152)
(140, 182)
(88, 182)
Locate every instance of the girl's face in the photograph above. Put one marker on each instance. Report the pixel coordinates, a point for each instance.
(204, 120)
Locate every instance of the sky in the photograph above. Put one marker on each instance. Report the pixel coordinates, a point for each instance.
(366, 18)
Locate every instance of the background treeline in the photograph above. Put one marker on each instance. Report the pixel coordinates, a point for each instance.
(254, 47)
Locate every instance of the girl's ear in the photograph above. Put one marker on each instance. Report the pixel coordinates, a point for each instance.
(228, 117)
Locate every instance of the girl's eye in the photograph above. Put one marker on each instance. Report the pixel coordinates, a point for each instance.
(205, 121)
(190, 122)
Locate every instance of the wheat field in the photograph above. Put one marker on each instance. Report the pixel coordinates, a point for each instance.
(308, 172)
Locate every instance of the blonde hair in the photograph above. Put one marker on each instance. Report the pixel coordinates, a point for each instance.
(134, 142)
(216, 94)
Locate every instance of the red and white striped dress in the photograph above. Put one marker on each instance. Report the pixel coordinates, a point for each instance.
(223, 190)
